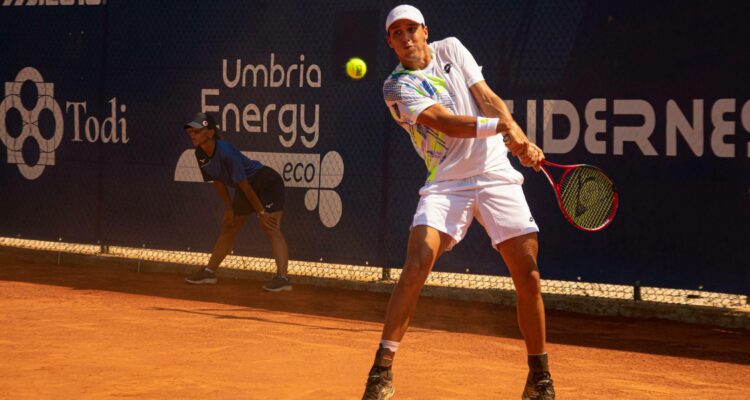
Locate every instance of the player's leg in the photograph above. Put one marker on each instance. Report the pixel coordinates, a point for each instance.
(520, 255)
(278, 244)
(225, 243)
(280, 251)
(506, 217)
(503, 211)
(425, 246)
(440, 221)
(223, 246)
(269, 186)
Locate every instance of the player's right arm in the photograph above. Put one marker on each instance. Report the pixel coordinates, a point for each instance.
(519, 145)
(491, 105)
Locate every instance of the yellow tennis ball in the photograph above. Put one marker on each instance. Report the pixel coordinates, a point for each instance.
(356, 68)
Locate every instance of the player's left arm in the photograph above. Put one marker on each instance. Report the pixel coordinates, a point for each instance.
(492, 105)
(461, 126)
(464, 126)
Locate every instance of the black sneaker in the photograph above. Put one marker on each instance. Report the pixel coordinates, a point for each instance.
(201, 277)
(379, 385)
(278, 284)
(539, 387)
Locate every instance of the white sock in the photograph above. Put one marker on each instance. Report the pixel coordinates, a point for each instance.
(390, 345)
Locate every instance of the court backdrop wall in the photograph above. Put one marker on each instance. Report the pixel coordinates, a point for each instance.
(656, 93)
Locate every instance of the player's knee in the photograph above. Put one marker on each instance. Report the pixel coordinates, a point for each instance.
(530, 284)
(417, 266)
(412, 280)
(414, 274)
(420, 258)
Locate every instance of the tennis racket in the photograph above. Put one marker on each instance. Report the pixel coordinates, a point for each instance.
(585, 194)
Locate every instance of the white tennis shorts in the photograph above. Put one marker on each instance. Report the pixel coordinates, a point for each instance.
(500, 208)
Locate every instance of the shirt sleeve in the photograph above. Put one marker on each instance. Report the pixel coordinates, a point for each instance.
(472, 71)
(405, 99)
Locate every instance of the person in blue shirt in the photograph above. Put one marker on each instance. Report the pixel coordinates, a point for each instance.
(257, 189)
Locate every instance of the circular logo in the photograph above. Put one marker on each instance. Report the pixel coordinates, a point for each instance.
(45, 102)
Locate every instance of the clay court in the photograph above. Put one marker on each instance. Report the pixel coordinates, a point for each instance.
(92, 332)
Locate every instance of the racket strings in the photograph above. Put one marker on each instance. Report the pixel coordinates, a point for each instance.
(587, 196)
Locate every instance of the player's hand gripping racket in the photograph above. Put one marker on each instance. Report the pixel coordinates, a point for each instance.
(585, 194)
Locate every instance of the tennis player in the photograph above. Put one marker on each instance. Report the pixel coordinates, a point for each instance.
(463, 131)
(257, 189)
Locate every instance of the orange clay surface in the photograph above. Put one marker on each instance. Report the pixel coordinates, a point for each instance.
(84, 332)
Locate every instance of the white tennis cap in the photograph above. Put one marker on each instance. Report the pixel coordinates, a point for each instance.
(404, 11)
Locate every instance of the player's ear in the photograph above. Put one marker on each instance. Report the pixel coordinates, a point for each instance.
(426, 34)
(388, 39)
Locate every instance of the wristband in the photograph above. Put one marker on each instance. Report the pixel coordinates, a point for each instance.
(486, 127)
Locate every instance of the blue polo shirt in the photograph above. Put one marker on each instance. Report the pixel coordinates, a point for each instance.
(227, 165)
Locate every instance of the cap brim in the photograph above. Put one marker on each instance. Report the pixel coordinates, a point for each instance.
(193, 124)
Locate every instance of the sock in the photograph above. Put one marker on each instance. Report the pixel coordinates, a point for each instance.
(383, 360)
(209, 270)
(538, 363)
(390, 345)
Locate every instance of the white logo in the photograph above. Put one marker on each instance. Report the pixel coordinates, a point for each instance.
(89, 128)
(30, 119)
(328, 202)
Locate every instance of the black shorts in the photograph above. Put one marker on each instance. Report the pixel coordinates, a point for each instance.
(269, 187)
